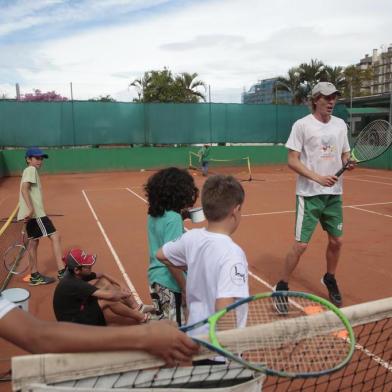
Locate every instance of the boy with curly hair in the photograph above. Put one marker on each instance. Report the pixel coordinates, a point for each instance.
(170, 192)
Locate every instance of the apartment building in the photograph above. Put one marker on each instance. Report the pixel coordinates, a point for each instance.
(265, 92)
(381, 62)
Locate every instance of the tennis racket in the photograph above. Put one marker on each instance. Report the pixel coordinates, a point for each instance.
(16, 258)
(372, 142)
(310, 338)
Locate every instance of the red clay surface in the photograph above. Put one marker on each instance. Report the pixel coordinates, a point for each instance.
(265, 233)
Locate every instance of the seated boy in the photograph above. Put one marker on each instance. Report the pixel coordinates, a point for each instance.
(217, 269)
(76, 300)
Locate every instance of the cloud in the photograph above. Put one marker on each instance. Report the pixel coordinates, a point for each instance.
(205, 41)
(101, 46)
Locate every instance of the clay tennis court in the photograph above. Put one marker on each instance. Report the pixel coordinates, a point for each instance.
(106, 213)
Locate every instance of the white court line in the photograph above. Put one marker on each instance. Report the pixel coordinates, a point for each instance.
(371, 212)
(135, 194)
(371, 181)
(114, 253)
(382, 177)
(355, 206)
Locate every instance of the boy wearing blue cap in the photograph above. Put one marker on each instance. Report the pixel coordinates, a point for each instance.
(31, 209)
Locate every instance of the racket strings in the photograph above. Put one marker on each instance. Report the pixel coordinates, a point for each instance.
(296, 342)
(373, 140)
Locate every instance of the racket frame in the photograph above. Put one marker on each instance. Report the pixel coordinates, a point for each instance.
(215, 346)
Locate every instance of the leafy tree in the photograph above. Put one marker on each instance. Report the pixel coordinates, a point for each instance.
(40, 96)
(334, 75)
(311, 73)
(162, 86)
(103, 98)
(357, 81)
(292, 84)
(188, 85)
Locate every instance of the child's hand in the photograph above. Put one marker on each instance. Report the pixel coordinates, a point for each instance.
(185, 214)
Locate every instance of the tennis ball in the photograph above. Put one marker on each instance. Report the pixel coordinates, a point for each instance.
(142, 169)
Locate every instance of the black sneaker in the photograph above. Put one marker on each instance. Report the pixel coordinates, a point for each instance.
(281, 302)
(60, 274)
(329, 281)
(37, 279)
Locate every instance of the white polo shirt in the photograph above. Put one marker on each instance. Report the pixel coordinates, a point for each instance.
(217, 268)
(5, 306)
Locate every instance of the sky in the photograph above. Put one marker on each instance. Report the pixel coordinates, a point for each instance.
(101, 46)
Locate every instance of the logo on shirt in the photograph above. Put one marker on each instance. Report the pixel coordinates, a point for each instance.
(328, 147)
(238, 274)
(340, 226)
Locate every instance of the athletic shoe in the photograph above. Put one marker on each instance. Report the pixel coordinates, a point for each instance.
(329, 281)
(37, 279)
(60, 274)
(281, 302)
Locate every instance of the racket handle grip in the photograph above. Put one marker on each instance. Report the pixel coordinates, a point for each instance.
(341, 171)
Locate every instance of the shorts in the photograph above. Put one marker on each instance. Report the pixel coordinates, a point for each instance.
(326, 209)
(168, 303)
(39, 227)
(90, 314)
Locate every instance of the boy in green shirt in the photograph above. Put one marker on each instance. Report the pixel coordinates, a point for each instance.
(204, 153)
(31, 210)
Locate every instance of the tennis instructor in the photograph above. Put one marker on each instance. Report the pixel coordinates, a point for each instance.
(318, 147)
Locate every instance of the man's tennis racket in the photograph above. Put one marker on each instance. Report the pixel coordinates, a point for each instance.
(372, 141)
(311, 339)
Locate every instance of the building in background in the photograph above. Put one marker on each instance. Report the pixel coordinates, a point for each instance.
(265, 92)
(381, 63)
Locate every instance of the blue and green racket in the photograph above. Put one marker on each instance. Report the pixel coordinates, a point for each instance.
(284, 333)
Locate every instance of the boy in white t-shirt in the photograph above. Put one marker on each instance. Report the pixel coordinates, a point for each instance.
(318, 147)
(217, 269)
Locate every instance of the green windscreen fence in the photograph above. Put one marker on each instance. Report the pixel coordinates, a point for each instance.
(50, 124)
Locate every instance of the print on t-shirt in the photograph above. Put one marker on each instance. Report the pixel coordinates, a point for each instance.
(238, 274)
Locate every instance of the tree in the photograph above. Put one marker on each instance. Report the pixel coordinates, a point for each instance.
(292, 84)
(334, 75)
(188, 84)
(40, 96)
(311, 73)
(103, 98)
(162, 86)
(357, 81)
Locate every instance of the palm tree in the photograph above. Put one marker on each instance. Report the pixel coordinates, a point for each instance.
(311, 74)
(292, 84)
(189, 83)
(334, 75)
(141, 85)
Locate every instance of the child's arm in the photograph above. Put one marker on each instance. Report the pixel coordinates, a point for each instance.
(162, 258)
(25, 190)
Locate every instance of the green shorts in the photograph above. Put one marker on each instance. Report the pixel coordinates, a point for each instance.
(326, 209)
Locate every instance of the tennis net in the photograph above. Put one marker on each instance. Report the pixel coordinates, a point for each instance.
(9, 232)
(239, 168)
(369, 370)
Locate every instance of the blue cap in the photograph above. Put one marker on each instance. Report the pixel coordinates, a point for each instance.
(35, 152)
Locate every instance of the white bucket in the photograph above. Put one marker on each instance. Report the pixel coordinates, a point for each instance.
(18, 296)
(197, 214)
